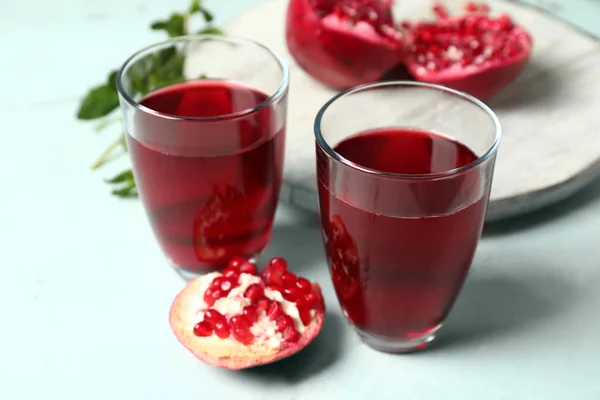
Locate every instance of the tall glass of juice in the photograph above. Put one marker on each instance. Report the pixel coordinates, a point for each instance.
(205, 119)
(404, 173)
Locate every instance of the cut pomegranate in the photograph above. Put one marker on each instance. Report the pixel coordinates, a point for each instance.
(475, 53)
(231, 320)
(343, 43)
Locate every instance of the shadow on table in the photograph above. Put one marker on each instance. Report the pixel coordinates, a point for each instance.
(317, 357)
(548, 214)
(496, 305)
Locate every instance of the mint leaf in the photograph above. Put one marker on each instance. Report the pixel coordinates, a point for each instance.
(129, 191)
(100, 101)
(211, 30)
(112, 79)
(208, 17)
(125, 176)
(174, 26)
(195, 7)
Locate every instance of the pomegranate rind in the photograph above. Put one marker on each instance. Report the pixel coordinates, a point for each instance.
(482, 82)
(229, 353)
(338, 54)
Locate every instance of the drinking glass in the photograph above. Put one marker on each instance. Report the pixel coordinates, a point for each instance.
(205, 119)
(399, 245)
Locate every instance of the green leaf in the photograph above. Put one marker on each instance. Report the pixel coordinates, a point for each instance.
(125, 176)
(100, 101)
(158, 26)
(174, 26)
(211, 30)
(112, 79)
(208, 17)
(126, 192)
(195, 7)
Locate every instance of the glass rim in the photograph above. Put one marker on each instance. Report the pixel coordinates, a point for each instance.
(276, 95)
(433, 175)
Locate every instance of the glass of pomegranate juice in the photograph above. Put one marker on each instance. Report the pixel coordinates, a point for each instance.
(404, 174)
(205, 118)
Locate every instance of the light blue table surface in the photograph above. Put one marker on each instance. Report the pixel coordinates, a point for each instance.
(84, 289)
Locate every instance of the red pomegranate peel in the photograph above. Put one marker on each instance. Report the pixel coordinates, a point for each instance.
(343, 43)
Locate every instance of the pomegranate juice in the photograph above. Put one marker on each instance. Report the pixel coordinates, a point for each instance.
(209, 185)
(399, 249)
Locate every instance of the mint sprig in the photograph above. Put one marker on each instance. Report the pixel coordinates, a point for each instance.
(155, 71)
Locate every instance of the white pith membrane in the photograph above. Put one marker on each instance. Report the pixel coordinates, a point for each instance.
(189, 307)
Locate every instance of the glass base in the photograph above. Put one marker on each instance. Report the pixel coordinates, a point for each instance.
(398, 346)
(188, 274)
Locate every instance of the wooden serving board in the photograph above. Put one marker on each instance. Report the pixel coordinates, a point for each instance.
(550, 116)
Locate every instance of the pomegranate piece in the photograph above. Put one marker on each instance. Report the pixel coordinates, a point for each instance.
(475, 53)
(343, 43)
(230, 320)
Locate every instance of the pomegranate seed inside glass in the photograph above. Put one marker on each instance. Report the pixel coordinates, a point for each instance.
(402, 211)
(208, 154)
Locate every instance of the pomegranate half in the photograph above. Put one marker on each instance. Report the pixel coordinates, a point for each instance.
(239, 319)
(476, 53)
(343, 43)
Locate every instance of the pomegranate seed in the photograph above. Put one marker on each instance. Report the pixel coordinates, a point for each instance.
(291, 335)
(406, 25)
(239, 322)
(305, 317)
(248, 268)
(427, 36)
(505, 22)
(228, 284)
(231, 273)
(312, 299)
(291, 293)
(275, 310)
(302, 304)
(240, 328)
(254, 292)
(284, 322)
(222, 329)
(471, 7)
(216, 283)
(288, 279)
(208, 297)
(434, 49)
(484, 8)
(236, 262)
(212, 316)
(243, 336)
(441, 11)
(250, 313)
(304, 285)
(263, 304)
(278, 264)
(217, 294)
(203, 329)
(272, 277)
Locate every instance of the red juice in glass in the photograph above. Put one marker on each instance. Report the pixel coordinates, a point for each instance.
(213, 198)
(402, 211)
(208, 159)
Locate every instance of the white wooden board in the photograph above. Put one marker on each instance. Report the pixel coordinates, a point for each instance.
(550, 115)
